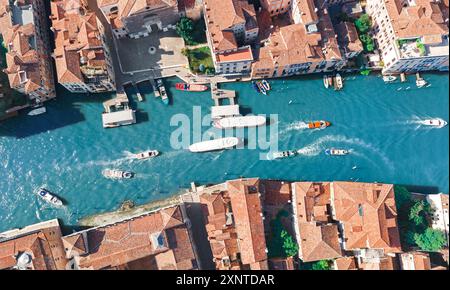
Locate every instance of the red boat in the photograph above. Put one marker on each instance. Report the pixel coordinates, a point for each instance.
(190, 87)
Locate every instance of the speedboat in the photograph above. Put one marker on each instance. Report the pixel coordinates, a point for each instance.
(330, 80)
(49, 197)
(284, 154)
(438, 123)
(319, 124)
(336, 152)
(214, 145)
(338, 83)
(162, 91)
(190, 87)
(326, 83)
(389, 79)
(146, 154)
(37, 111)
(117, 174)
(420, 83)
(266, 85)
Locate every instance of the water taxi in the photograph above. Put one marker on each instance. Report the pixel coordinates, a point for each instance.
(117, 174)
(438, 123)
(318, 124)
(284, 154)
(190, 87)
(240, 122)
(389, 79)
(49, 197)
(146, 154)
(215, 145)
(336, 152)
(338, 83)
(37, 111)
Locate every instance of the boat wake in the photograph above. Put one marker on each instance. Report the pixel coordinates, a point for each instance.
(295, 126)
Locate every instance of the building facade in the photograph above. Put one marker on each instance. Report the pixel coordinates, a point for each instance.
(231, 29)
(80, 57)
(411, 35)
(24, 28)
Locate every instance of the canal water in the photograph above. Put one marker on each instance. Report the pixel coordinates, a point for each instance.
(66, 149)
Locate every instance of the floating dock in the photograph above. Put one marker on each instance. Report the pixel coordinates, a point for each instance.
(402, 77)
(219, 111)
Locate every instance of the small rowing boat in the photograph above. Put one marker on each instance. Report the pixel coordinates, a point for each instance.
(389, 79)
(255, 87)
(261, 87)
(338, 83)
(326, 83)
(37, 111)
(266, 85)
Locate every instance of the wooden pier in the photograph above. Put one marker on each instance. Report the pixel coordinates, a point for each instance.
(402, 77)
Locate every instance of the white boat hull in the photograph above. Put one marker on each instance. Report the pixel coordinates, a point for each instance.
(37, 111)
(146, 155)
(437, 123)
(214, 145)
(49, 197)
(240, 122)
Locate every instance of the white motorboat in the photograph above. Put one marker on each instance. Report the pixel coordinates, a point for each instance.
(420, 83)
(284, 154)
(338, 82)
(214, 145)
(326, 83)
(336, 152)
(266, 85)
(240, 122)
(117, 174)
(37, 111)
(49, 197)
(389, 79)
(437, 122)
(146, 154)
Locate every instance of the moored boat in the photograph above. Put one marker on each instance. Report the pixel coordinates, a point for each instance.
(37, 111)
(146, 154)
(49, 197)
(284, 154)
(336, 152)
(162, 92)
(190, 87)
(318, 124)
(117, 174)
(338, 83)
(262, 89)
(330, 80)
(326, 83)
(240, 122)
(389, 78)
(437, 122)
(420, 83)
(266, 85)
(214, 145)
(255, 87)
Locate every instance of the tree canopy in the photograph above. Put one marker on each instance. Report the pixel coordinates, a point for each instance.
(363, 23)
(419, 213)
(185, 29)
(431, 240)
(321, 265)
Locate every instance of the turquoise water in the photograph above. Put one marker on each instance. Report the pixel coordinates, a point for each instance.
(66, 149)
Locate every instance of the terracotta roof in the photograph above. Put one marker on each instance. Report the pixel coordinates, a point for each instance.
(348, 37)
(319, 242)
(144, 237)
(368, 215)
(276, 193)
(281, 263)
(424, 18)
(77, 40)
(415, 261)
(247, 212)
(44, 245)
(345, 263)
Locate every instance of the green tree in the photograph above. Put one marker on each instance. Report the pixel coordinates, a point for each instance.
(431, 240)
(290, 247)
(185, 29)
(419, 213)
(363, 23)
(321, 265)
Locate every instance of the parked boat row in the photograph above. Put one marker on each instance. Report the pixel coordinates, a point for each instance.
(261, 86)
(333, 81)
